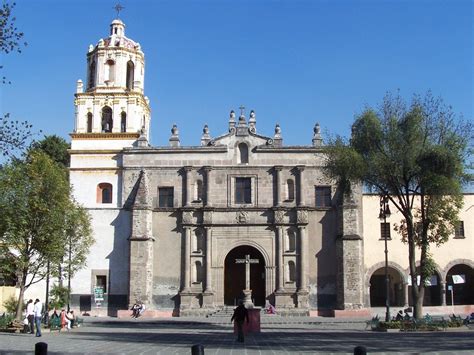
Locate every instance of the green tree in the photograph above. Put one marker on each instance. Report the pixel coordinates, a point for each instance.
(414, 154)
(59, 296)
(35, 206)
(55, 147)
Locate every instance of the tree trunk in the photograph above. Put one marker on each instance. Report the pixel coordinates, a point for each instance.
(19, 305)
(418, 303)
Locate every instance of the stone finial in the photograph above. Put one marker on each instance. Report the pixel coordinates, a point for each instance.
(91, 48)
(252, 122)
(206, 137)
(79, 87)
(242, 120)
(142, 141)
(277, 138)
(317, 138)
(174, 139)
(232, 121)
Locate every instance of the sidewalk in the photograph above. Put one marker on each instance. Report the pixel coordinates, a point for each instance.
(279, 336)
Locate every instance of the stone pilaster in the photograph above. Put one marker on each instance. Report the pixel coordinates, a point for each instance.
(207, 200)
(188, 193)
(350, 253)
(208, 288)
(280, 249)
(186, 261)
(303, 293)
(278, 184)
(141, 245)
(301, 193)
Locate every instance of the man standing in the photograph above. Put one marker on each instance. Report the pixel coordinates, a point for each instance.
(38, 308)
(240, 314)
(30, 314)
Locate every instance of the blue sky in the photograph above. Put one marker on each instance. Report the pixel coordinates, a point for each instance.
(293, 62)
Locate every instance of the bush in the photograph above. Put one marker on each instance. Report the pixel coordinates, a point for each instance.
(390, 325)
(455, 323)
(5, 320)
(10, 305)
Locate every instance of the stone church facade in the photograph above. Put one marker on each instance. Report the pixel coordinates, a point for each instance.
(170, 222)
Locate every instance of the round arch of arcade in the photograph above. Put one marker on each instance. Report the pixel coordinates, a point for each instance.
(454, 284)
(458, 277)
(455, 262)
(375, 281)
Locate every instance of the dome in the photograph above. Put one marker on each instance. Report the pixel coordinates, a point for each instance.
(117, 37)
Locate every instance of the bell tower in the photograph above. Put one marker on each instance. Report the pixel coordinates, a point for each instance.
(111, 109)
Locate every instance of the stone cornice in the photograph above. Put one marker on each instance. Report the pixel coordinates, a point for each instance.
(102, 51)
(108, 91)
(180, 150)
(214, 168)
(101, 136)
(289, 149)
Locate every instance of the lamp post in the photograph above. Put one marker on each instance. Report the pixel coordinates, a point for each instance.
(384, 213)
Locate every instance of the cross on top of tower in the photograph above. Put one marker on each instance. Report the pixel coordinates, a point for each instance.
(118, 8)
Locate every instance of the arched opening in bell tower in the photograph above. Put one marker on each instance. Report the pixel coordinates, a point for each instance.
(130, 74)
(107, 121)
(89, 122)
(92, 69)
(123, 122)
(235, 274)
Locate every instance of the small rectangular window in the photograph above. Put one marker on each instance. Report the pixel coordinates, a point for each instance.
(101, 281)
(323, 196)
(459, 230)
(385, 231)
(243, 190)
(165, 197)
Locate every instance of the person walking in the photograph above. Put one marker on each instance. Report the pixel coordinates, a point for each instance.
(240, 315)
(30, 315)
(38, 309)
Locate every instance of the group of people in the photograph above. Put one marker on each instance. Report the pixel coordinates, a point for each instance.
(400, 316)
(137, 309)
(34, 313)
(66, 318)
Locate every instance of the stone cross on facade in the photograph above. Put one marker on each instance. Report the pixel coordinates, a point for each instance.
(247, 292)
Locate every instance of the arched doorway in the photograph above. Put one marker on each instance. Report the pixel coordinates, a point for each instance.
(234, 276)
(461, 278)
(377, 288)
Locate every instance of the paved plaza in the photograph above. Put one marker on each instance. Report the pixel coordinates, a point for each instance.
(278, 336)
